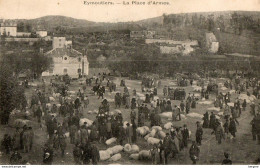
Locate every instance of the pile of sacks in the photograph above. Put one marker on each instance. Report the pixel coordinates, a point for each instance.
(142, 155)
(131, 148)
(111, 141)
(110, 100)
(32, 84)
(195, 115)
(140, 96)
(197, 88)
(168, 115)
(155, 135)
(217, 109)
(248, 99)
(82, 120)
(143, 130)
(111, 153)
(223, 88)
(205, 102)
(93, 112)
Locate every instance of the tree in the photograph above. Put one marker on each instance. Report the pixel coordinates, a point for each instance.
(39, 63)
(20, 27)
(11, 93)
(211, 23)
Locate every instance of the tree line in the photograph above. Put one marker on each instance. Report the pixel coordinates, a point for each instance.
(234, 23)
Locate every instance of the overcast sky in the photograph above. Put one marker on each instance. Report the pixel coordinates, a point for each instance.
(28, 9)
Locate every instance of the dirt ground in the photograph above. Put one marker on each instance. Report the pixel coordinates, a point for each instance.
(242, 149)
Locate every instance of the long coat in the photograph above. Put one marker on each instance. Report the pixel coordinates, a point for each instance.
(16, 139)
(95, 155)
(219, 133)
(94, 133)
(26, 139)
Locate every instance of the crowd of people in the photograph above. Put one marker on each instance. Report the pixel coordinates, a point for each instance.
(64, 115)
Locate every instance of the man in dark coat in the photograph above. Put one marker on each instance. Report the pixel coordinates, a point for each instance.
(185, 135)
(199, 133)
(182, 106)
(7, 143)
(226, 161)
(205, 120)
(39, 114)
(21, 136)
(47, 155)
(95, 157)
(86, 153)
(187, 107)
(194, 152)
(73, 131)
(212, 120)
(232, 127)
(63, 144)
(121, 134)
(77, 154)
(161, 148)
(15, 158)
(167, 143)
(51, 127)
(134, 126)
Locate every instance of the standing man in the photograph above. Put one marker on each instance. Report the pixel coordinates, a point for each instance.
(194, 152)
(199, 133)
(95, 157)
(47, 155)
(129, 133)
(226, 161)
(232, 127)
(166, 146)
(185, 135)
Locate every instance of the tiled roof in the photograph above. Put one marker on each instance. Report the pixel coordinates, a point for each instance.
(63, 51)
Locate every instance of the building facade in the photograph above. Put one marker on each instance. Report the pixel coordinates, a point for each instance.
(8, 29)
(41, 33)
(58, 42)
(212, 43)
(67, 61)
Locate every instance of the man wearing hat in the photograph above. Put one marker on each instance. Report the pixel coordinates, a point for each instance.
(185, 135)
(199, 133)
(226, 161)
(47, 155)
(167, 143)
(129, 133)
(194, 152)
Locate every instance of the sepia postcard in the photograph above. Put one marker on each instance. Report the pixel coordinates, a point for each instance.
(129, 82)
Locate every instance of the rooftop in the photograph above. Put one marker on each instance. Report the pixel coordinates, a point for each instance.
(63, 51)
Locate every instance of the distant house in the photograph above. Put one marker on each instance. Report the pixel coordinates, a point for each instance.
(142, 34)
(41, 33)
(23, 34)
(8, 29)
(212, 43)
(67, 61)
(174, 47)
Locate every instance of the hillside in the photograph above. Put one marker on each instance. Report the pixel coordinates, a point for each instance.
(237, 31)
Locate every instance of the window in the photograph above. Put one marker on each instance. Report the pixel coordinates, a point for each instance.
(65, 58)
